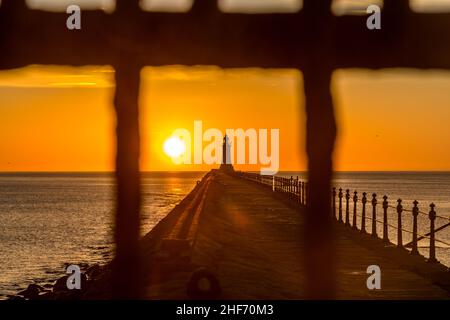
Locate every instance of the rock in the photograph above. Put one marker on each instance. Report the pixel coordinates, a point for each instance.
(32, 292)
(83, 266)
(93, 271)
(16, 298)
(61, 284)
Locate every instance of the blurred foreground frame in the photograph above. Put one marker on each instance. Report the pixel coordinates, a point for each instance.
(312, 40)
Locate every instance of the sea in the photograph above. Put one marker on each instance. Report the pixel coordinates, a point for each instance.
(51, 220)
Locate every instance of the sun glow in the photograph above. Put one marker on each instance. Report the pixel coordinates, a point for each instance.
(174, 147)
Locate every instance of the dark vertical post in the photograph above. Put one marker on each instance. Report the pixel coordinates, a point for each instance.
(347, 207)
(385, 220)
(374, 215)
(415, 213)
(333, 195)
(291, 184)
(320, 139)
(432, 216)
(355, 200)
(399, 224)
(340, 204)
(126, 266)
(363, 214)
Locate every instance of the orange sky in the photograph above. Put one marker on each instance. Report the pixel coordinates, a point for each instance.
(61, 119)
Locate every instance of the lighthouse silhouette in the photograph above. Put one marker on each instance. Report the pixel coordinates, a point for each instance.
(226, 155)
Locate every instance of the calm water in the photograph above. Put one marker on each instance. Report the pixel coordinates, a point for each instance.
(48, 220)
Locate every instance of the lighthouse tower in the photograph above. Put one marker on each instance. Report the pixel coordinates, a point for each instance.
(226, 155)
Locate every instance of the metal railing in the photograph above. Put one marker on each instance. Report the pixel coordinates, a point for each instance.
(347, 208)
(338, 196)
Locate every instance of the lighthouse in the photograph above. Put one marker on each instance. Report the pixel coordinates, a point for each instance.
(226, 155)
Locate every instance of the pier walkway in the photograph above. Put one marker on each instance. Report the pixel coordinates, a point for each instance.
(251, 239)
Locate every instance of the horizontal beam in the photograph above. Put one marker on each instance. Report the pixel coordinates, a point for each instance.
(226, 40)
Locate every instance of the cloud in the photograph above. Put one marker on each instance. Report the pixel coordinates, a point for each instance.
(58, 77)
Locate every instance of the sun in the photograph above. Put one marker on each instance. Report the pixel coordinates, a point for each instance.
(174, 147)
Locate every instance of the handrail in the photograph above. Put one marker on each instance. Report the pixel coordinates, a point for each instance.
(297, 190)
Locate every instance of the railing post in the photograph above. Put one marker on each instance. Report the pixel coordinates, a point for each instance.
(297, 191)
(374, 215)
(363, 214)
(432, 216)
(301, 192)
(291, 187)
(415, 213)
(340, 204)
(347, 207)
(355, 200)
(333, 194)
(287, 184)
(399, 224)
(385, 220)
